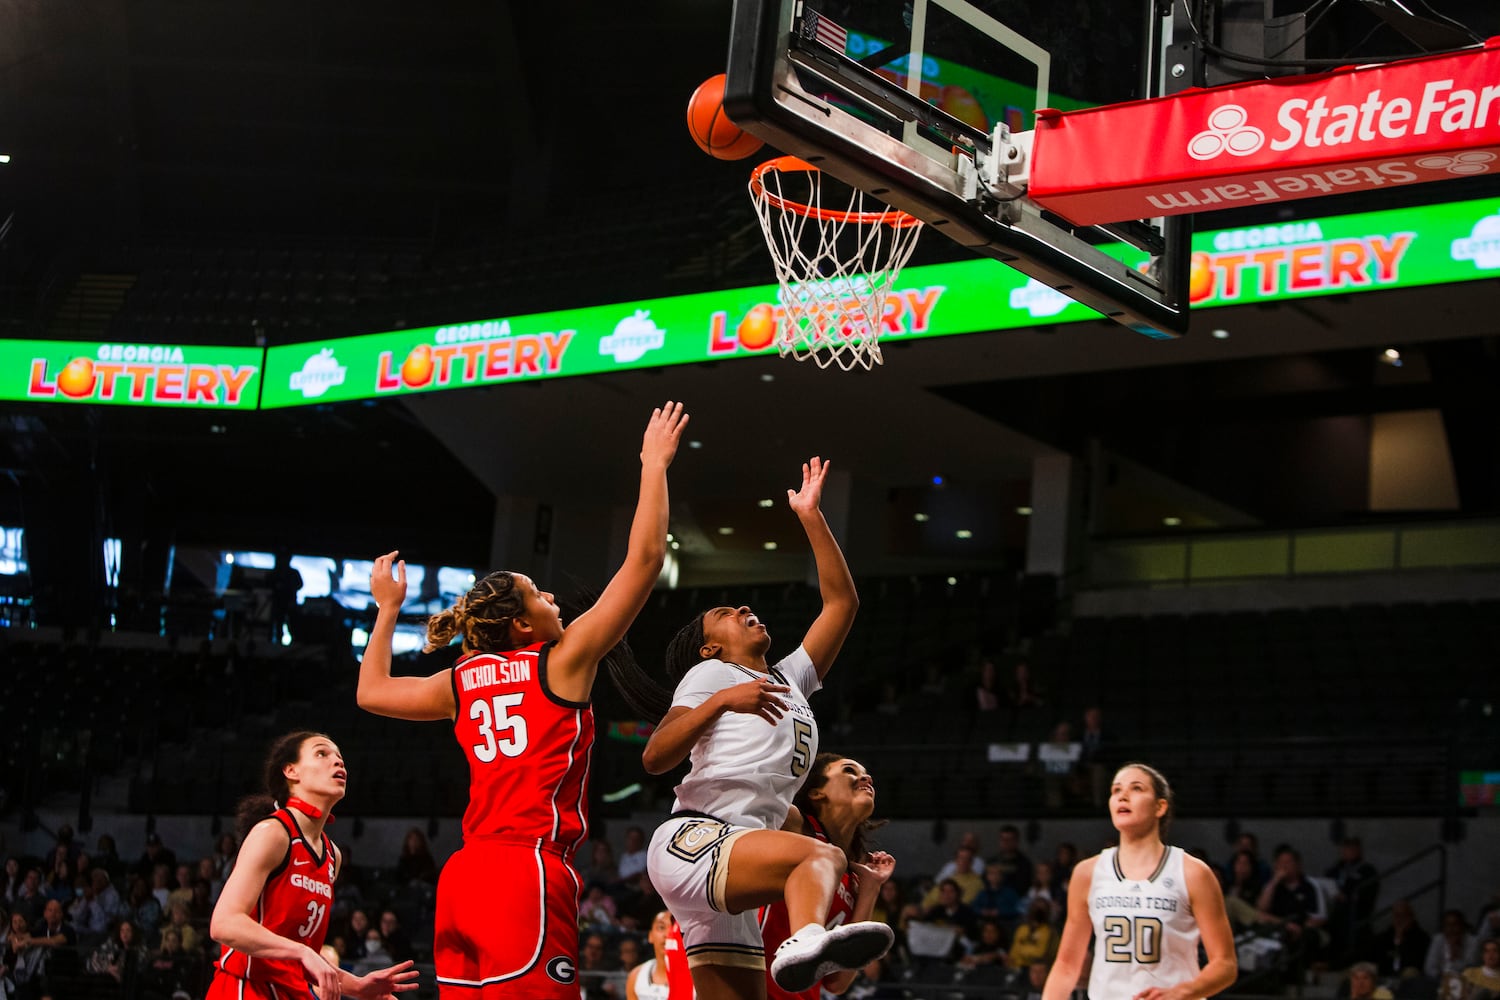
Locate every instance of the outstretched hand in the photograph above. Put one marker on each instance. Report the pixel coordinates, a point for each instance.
(663, 433)
(874, 870)
(387, 590)
(810, 496)
(755, 698)
(384, 984)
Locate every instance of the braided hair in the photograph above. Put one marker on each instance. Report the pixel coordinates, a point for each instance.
(482, 616)
(685, 651)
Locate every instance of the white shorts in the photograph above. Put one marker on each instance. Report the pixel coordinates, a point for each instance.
(689, 865)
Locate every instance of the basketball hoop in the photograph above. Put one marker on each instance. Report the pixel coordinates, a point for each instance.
(835, 265)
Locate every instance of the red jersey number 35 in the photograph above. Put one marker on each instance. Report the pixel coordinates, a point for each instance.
(501, 731)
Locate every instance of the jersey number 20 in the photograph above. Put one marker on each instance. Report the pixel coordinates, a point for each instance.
(1132, 939)
(495, 725)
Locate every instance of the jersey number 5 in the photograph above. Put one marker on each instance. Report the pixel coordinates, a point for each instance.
(802, 752)
(1132, 939)
(494, 725)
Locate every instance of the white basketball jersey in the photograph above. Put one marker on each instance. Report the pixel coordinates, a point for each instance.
(744, 769)
(1144, 931)
(645, 989)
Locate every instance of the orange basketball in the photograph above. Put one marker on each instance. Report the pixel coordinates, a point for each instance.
(712, 130)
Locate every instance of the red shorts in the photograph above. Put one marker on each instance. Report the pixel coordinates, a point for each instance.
(507, 922)
(227, 987)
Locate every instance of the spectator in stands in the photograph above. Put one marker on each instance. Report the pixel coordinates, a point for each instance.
(1452, 951)
(889, 905)
(1482, 981)
(1035, 940)
(1055, 758)
(890, 699)
(182, 891)
(1063, 860)
(143, 909)
(85, 913)
(1363, 984)
(58, 939)
(998, 901)
(208, 878)
(633, 858)
(1041, 889)
(1242, 881)
(70, 847)
(989, 949)
(396, 940)
(416, 863)
(11, 883)
(601, 867)
(934, 684)
(30, 898)
(120, 957)
(596, 911)
(592, 956)
(1094, 761)
(1015, 866)
(180, 919)
(960, 868)
(354, 936)
(1401, 949)
(1022, 692)
(1357, 885)
(1296, 902)
(201, 907)
(59, 884)
(987, 692)
(1488, 924)
(628, 952)
(161, 887)
(169, 968)
(22, 960)
(107, 856)
(224, 851)
(1249, 842)
(155, 853)
(951, 911)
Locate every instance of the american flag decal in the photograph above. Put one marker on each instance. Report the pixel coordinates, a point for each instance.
(819, 29)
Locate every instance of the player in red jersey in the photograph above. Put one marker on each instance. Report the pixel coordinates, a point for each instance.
(834, 805)
(273, 912)
(679, 974)
(507, 902)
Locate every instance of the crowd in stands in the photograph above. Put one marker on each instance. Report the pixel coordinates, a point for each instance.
(90, 924)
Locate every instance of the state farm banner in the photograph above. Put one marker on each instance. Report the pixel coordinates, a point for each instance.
(134, 374)
(1409, 122)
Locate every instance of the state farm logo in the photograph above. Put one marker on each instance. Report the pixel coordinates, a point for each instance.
(1475, 161)
(1226, 133)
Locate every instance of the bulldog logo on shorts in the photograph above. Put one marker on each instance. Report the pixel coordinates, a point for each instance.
(562, 970)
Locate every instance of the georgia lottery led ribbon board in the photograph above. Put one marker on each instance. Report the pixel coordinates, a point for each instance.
(1405, 248)
(66, 371)
(1337, 255)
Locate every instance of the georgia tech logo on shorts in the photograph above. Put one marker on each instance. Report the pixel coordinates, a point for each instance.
(562, 970)
(1226, 133)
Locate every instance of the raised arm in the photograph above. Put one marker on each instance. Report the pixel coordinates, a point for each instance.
(1067, 966)
(575, 660)
(265, 848)
(421, 699)
(825, 637)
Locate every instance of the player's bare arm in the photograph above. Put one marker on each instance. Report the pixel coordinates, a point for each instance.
(419, 699)
(825, 637)
(680, 728)
(574, 662)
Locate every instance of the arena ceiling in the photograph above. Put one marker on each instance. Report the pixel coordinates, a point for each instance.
(460, 123)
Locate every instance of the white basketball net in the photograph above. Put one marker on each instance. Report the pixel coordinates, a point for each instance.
(835, 263)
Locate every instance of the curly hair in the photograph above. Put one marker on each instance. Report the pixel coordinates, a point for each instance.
(817, 777)
(482, 616)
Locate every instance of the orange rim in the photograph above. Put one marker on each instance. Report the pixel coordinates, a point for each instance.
(787, 164)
